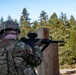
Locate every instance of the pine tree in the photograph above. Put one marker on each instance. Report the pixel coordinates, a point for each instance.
(25, 23)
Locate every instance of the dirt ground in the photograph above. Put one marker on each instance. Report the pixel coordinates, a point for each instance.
(68, 71)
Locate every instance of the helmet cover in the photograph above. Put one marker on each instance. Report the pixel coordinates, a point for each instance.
(9, 25)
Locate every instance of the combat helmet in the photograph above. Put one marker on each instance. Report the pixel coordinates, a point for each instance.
(9, 25)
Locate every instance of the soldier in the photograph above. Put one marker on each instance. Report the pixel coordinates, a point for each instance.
(16, 57)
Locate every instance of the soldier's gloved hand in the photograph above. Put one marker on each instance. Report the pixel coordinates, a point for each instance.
(30, 50)
(38, 43)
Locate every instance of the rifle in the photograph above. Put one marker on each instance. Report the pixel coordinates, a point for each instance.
(32, 40)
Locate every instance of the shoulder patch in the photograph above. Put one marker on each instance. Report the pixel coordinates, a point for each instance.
(4, 43)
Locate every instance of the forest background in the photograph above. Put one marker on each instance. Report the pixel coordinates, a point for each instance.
(60, 28)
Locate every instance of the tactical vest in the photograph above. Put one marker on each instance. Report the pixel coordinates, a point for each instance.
(6, 58)
(12, 60)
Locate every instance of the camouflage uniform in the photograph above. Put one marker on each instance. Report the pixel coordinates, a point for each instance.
(15, 58)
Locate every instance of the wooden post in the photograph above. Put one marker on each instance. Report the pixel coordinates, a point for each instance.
(50, 64)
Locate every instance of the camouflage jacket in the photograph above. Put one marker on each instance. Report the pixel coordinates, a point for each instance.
(16, 60)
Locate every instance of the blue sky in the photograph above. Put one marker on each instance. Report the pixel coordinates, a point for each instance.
(34, 7)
